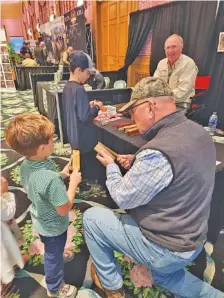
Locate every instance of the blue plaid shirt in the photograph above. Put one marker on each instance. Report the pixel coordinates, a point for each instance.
(150, 173)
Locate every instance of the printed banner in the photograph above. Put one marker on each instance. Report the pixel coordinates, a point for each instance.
(54, 37)
(75, 28)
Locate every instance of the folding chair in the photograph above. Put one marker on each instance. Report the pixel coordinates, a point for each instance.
(107, 82)
(202, 84)
(120, 84)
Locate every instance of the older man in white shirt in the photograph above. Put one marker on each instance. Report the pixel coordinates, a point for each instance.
(178, 70)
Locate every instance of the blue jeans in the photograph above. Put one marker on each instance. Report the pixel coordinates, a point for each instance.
(53, 260)
(106, 231)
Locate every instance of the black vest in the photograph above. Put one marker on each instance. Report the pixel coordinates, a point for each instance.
(177, 216)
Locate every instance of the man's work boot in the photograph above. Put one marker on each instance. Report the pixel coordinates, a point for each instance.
(110, 293)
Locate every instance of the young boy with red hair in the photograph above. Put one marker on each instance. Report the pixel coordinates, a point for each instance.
(31, 135)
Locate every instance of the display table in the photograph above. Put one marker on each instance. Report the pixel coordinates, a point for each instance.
(23, 74)
(121, 143)
(45, 99)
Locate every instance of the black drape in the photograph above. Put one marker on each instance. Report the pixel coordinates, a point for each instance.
(214, 98)
(197, 30)
(167, 22)
(193, 20)
(141, 22)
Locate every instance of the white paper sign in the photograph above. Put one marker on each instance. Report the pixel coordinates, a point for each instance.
(45, 100)
(221, 42)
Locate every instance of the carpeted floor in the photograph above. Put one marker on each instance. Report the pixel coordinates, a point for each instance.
(29, 282)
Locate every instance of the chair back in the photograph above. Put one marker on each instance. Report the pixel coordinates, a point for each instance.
(107, 82)
(202, 82)
(120, 84)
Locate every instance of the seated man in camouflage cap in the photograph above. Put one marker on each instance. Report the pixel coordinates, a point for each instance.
(167, 192)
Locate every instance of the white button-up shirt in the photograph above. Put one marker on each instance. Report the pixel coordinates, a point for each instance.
(180, 77)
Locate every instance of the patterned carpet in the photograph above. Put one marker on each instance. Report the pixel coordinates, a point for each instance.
(29, 282)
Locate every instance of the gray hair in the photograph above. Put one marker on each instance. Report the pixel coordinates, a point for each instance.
(178, 37)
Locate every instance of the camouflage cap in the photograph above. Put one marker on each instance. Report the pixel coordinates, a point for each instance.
(146, 88)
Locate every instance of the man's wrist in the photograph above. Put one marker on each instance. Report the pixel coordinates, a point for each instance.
(112, 168)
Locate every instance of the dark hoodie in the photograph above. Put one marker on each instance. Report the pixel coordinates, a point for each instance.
(78, 117)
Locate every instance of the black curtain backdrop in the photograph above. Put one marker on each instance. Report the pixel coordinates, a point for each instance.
(214, 98)
(193, 20)
(167, 22)
(141, 23)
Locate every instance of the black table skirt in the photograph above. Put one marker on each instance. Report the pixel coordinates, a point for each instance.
(47, 106)
(23, 78)
(24, 81)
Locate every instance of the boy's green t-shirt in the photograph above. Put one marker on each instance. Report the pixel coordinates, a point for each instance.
(46, 191)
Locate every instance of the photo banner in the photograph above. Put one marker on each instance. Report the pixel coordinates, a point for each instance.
(75, 28)
(54, 36)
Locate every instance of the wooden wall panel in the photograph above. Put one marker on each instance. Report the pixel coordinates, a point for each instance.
(138, 70)
(11, 18)
(111, 32)
(11, 11)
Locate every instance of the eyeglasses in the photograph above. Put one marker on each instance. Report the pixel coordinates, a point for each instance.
(131, 109)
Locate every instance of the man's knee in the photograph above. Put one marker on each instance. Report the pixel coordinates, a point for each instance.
(91, 215)
(96, 216)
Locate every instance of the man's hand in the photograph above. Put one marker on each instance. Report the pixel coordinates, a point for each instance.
(65, 172)
(125, 160)
(105, 158)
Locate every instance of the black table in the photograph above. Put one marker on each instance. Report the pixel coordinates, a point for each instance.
(23, 74)
(49, 94)
(45, 99)
(123, 144)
